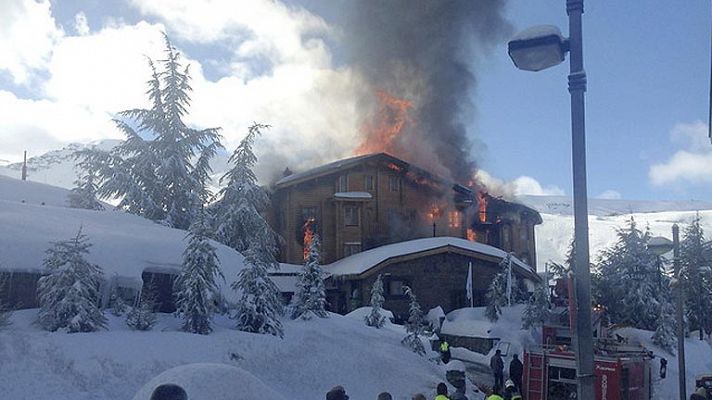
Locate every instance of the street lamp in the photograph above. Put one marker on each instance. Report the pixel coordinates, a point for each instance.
(660, 245)
(535, 49)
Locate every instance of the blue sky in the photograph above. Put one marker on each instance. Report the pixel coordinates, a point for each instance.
(67, 66)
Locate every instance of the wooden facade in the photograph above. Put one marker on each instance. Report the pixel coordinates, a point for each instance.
(369, 201)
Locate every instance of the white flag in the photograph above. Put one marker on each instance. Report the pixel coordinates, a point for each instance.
(509, 280)
(468, 286)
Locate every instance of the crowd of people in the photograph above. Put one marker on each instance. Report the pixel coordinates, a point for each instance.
(501, 390)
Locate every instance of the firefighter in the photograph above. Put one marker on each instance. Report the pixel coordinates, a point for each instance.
(445, 351)
(441, 392)
(492, 394)
(510, 391)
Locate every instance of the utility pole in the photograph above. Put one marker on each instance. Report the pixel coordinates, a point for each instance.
(680, 301)
(24, 167)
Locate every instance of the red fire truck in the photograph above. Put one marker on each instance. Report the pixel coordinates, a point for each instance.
(622, 371)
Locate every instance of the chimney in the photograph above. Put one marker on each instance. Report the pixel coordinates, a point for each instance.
(24, 167)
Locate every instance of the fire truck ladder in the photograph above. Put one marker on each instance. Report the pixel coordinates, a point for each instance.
(535, 384)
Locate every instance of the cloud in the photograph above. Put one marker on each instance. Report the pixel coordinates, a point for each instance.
(523, 185)
(28, 33)
(610, 195)
(691, 165)
(81, 25)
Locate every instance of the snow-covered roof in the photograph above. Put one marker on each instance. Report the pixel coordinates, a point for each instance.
(123, 245)
(32, 192)
(364, 261)
(352, 195)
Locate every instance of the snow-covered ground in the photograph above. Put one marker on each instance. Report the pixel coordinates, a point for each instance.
(114, 364)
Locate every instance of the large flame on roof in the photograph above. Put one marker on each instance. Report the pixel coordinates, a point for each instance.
(390, 119)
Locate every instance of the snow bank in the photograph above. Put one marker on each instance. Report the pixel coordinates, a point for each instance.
(360, 313)
(205, 381)
(28, 192)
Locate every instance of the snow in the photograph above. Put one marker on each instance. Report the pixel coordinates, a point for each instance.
(124, 245)
(352, 195)
(360, 313)
(538, 31)
(362, 262)
(209, 381)
(115, 364)
(468, 322)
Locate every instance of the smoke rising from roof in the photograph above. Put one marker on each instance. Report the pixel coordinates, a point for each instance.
(426, 52)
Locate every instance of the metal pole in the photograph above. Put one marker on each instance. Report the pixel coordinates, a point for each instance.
(679, 312)
(583, 334)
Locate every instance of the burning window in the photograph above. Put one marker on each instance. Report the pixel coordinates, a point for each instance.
(471, 235)
(342, 185)
(393, 183)
(454, 219)
(368, 183)
(351, 215)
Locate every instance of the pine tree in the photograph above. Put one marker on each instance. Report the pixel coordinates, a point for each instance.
(118, 306)
(69, 291)
(164, 178)
(414, 326)
(537, 310)
(665, 335)
(260, 305)
(241, 202)
(84, 194)
(142, 317)
(310, 298)
(696, 277)
(628, 282)
(497, 292)
(375, 318)
(196, 286)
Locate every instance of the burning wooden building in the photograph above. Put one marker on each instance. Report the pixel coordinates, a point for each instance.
(365, 202)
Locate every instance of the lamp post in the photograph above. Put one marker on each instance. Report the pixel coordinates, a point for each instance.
(660, 245)
(679, 312)
(539, 48)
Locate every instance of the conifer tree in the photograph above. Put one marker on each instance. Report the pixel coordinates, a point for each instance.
(538, 306)
(118, 306)
(237, 211)
(695, 265)
(163, 178)
(5, 311)
(84, 195)
(665, 335)
(375, 318)
(497, 292)
(142, 317)
(259, 306)
(414, 326)
(310, 298)
(68, 292)
(196, 286)
(627, 281)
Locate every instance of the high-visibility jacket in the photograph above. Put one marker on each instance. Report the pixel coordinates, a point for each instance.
(441, 397)
(494, 397)
(444, 346)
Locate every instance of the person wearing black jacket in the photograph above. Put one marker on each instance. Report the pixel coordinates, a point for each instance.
(515, 372)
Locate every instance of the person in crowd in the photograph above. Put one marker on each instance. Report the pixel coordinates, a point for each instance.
(492, 394)
(445, 351)
(497, 367)
(516, 368)
(441, 392)
(337, 393)
(385, 396)
(169, 392)
(419, 396)
(459, 394)
(510, 391)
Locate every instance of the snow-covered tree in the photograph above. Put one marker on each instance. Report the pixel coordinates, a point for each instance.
(665, 335)
(375, 318)
(195, 288)
(414, 326)
(260, 304)
(118, 306)
(5, 314)
(164, 177)
(142, 316)
(68, 292)
(310, 298)
(84, 194)
(497, 296)
(628, 284)
(237, 211)
(538, 307)
(696, 276)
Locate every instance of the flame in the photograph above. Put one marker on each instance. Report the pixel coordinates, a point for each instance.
(471, 235)
(308, 236)
(434, 212)
(482, 200)
(391, 117)
(454, 219)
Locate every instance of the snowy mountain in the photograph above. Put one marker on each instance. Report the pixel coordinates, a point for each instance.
(562, 205)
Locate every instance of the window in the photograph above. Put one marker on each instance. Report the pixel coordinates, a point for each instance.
(393, 183)
(342, 185)
(351, 248)
(351, 215)
(454, 219)
(368, 183)
(396, 287)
